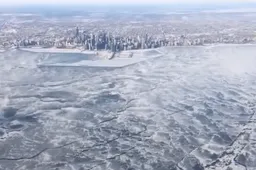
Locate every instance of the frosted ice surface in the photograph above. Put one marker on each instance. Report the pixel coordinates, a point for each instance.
(191, 109)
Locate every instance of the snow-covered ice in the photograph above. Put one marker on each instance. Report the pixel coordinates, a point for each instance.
(193, 108)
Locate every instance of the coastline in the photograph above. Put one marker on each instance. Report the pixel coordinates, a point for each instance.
(57, 50)
(76, 50)
(117, 62)
(101, 54)
(121, 59)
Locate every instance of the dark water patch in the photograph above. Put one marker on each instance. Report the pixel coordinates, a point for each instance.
(203, 119)
(124, 146)
(9, 112)
(233, 93)
(189, 108)
(117, 164)
(89, 105)
(242, 159)
(58, 165)
(27, 118)
(83, 159)
(221, 138)
(198, 166)
(212, 100)
(192, 163)
(163, 165)
(177, 154)
(114, 144)
(188, 90)
(15, 125)
(224, 105)
(107, 97)
(232, 100)
(32, 164)
(220, 95)
(193, 129)
(209, 112)
(183, 141)
(193, 141)
(51, 106)
(25, 96)
(244, 115)
(58, 94)
(114, 150)
(225, 137)
(251, 104)
(214, 126)
(207, 154)
(241, 108)
(208, 133)
(112, 85)
(164, 135)
(206, 105)
(1, 132)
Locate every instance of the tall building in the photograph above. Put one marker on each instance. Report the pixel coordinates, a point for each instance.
(113, 48)
(139, 39)
(77, 31)
(91, 42)
(143, 43)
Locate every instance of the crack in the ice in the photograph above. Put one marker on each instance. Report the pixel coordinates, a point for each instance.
(105, 142)
(120, 154)
(187, 154)
(214, 163)
(37, 154)
(123, 109)
(108, 120)
(98, 144)
(126, 106)
(148, 90)
(235, 159)
(178, 166)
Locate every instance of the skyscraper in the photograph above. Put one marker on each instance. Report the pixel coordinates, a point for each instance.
(143, 43)
(77, 31)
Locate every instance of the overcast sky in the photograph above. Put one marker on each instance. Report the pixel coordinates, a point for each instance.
(25, 2)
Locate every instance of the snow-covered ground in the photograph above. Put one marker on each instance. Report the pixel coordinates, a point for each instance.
(191, 109)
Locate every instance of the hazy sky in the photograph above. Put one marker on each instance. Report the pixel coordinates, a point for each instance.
(19, 2)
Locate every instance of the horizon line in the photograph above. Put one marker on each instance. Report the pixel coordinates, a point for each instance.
(132, 4)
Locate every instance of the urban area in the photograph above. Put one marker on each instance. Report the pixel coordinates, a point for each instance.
(98, 32)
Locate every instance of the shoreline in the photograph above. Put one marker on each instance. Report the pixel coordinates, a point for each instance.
(57, 50)
(75, 50)
(101, 54)
(117, 62)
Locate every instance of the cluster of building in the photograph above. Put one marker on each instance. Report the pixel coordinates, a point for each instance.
(106, 41)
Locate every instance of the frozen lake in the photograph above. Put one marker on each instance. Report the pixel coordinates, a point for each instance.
(191, 109)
